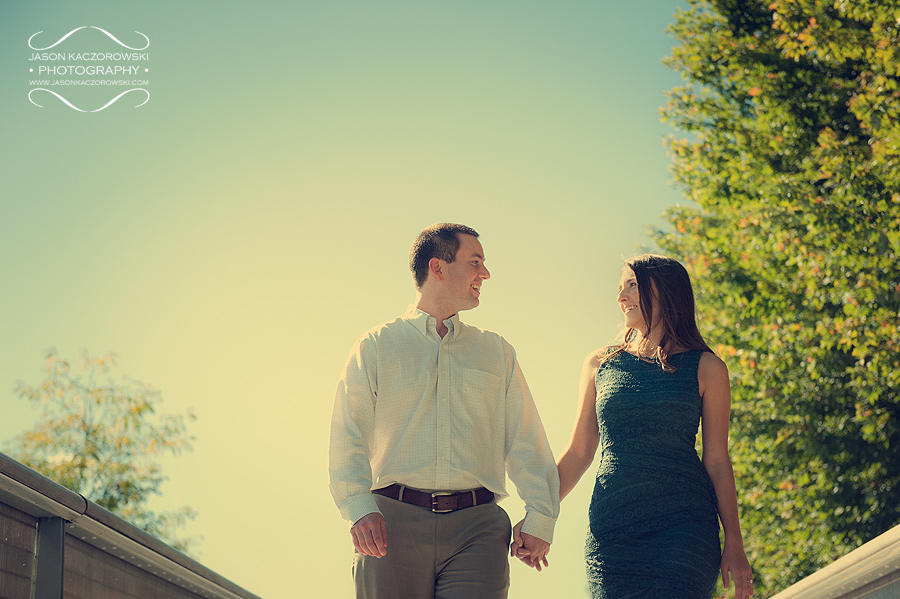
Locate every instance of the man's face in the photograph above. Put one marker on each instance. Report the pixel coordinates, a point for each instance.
(465, 274)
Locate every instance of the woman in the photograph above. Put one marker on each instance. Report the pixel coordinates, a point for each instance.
(656, 506)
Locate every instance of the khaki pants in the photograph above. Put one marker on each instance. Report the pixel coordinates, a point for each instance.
(460, 555)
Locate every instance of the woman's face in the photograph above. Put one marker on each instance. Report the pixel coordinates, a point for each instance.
(630, 301)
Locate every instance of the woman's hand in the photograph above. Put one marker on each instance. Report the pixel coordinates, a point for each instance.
(736, 566)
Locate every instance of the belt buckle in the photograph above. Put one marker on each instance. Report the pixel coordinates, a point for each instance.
(434, 502)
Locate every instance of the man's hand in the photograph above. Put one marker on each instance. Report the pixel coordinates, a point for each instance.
(529, 548)
(370, 535)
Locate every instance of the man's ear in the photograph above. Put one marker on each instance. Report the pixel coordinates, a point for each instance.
(435, 267)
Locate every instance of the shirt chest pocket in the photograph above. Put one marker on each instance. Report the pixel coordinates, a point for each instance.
(481, 395)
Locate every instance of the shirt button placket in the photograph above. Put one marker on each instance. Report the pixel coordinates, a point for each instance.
(443, 414)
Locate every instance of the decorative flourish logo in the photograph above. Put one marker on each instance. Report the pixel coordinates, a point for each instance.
(119, 65)
(111, 36)
(70, 105)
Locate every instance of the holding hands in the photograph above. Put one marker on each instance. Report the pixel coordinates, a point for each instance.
(529, 548)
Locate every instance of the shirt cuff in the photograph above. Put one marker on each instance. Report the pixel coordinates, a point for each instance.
(360, 506)
(540, 526)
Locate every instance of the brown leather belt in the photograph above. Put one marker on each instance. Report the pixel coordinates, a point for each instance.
(439, 502)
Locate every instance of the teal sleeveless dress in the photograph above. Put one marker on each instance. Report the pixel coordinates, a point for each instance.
(654, 528)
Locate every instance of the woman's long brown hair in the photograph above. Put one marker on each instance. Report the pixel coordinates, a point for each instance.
(667, 281)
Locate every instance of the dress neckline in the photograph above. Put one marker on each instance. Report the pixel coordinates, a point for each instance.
(678, 353)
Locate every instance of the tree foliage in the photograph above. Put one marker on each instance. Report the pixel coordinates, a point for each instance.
(101, 438)
(791, 160)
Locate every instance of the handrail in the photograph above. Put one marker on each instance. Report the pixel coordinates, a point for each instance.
(874, 561)
(38, 496)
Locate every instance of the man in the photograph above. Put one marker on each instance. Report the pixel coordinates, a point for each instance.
(429, 417)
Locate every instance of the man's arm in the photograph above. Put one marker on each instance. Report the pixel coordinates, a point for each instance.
(530, 464)
(352, 426)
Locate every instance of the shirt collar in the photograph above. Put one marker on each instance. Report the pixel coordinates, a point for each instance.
(419, 319)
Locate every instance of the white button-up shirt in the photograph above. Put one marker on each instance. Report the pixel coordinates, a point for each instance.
(436, 414)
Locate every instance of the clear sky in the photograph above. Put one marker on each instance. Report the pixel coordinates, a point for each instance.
(233, 236)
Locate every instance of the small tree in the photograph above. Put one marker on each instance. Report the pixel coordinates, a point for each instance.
(101, 438)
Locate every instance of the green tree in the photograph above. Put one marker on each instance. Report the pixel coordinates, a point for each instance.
(791, 110)
(101, 438)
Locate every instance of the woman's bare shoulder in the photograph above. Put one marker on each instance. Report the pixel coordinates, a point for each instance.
(594, 359)
(711, 367)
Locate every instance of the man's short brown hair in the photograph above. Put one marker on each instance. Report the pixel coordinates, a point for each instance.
(437, 241)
